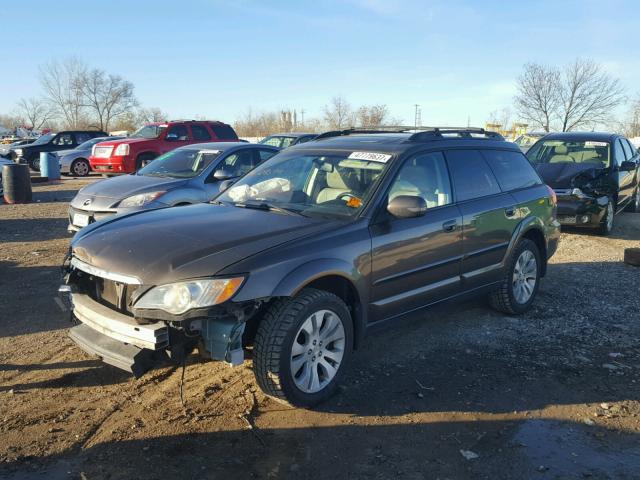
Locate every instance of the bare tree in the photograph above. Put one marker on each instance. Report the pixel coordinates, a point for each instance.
(583, 94)
(372, 116)
(35, 111)
(630, 126)
(538, 97)
(62, 84)
(338, 114)
(588, 95)
(106, 96)
(152, 114)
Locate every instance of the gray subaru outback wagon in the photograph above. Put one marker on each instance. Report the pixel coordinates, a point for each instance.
(304, 254)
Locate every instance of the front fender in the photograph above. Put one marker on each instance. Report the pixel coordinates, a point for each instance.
(310, 271)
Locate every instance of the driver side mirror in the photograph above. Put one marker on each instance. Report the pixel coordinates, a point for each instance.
(223, 174)
(628, 166)
(407, 206)
(225, 185)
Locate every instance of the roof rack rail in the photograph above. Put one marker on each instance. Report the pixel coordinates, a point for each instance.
(464, 132)
(418, 133)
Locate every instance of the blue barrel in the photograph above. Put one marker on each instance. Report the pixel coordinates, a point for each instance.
(49, 166)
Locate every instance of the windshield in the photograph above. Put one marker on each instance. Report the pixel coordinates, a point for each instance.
(324, 185)
(149, 131)
(90, 143)
(44, 139)
(594, 154)
(180, 163)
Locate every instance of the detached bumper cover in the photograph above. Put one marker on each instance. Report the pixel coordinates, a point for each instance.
(121, 355)
(118, 326)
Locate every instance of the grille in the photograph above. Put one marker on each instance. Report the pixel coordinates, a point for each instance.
(111, 294)
(102, 152)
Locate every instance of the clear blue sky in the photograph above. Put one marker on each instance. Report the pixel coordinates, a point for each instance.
(219, 59)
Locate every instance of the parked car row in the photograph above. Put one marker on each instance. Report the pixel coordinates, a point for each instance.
(303, 251)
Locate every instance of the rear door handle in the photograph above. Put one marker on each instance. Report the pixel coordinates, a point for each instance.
(510, 212)
(449, 226)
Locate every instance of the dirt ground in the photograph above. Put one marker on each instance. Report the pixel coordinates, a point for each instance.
(459, 391)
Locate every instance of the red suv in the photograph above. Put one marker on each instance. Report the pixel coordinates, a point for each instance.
(129, 154)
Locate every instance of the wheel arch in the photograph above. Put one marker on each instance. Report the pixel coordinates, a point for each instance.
(334, 276)
(532, 229)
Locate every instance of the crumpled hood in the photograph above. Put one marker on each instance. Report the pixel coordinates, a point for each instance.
(172, 244)
(120, 187)
(562, 175)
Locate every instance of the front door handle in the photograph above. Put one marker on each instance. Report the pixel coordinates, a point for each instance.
(449, 226)
(510, 212)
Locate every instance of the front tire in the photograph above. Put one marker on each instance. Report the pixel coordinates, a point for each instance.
(606, 227)
(302, 346)
(80, 168)
(521, 280)
(144, 160)
(34, 164)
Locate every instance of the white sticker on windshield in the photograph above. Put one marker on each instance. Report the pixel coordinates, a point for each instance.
(595, 144)
(371, 156)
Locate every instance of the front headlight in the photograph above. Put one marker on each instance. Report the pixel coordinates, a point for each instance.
(18, 151)
(140, 199)
(576, 192)
(122, 149)
(177, 298)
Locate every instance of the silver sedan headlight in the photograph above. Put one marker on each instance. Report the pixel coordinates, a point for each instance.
(140, 199)
(178, 298)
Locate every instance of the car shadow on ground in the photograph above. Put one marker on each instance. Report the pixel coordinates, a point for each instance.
(499, 449)
(26, 306)
(33, 229)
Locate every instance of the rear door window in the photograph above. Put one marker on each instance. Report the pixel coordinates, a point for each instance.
(512, 169)
(424, 175)
(223, 132)
(472, 177)
(200, 133)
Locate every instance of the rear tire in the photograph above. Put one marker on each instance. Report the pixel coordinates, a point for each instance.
(34, 164)
(521, 280)
(291, 363)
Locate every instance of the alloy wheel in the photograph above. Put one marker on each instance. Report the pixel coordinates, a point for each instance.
(80, 168)
(525, 276)
(317, 351)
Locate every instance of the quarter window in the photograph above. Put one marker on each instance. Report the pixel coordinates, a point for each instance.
(512, 169)
(472, 177)
(200, 133)
(424, 175)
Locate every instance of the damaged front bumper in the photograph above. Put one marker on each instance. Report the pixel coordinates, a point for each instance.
(124, 342)
(581, 212)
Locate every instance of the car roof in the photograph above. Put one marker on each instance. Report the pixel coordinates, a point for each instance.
(223, 146)
(395, 143)
(582, 136)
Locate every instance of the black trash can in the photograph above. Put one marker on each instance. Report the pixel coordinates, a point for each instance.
(16, 183)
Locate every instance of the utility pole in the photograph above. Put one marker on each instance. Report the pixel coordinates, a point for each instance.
(417, 120)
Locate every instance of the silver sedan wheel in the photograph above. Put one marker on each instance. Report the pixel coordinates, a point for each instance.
(80, 168)
(317, 351)
(525, 276)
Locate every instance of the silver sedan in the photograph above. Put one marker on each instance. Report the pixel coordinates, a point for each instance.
(76, 161)
(186, 175)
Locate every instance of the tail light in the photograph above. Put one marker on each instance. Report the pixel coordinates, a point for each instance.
(552, 194)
